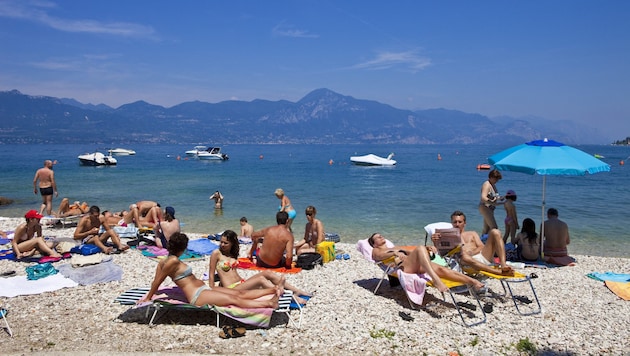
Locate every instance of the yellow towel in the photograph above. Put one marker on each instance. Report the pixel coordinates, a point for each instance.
(621, 289)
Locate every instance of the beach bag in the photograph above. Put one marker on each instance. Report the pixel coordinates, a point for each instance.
(309, 260)
(86, 249)
(327, 250)
(40, 271)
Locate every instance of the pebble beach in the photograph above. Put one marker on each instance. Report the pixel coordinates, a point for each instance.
(580, 316)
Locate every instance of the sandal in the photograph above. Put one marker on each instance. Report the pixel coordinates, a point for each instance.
(488, 307)
(522, 299)
(533, 275)
(467, 305)
(405, 316)
(231, 332)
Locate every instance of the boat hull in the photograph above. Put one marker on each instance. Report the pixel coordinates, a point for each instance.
(121, 152)
(372, 160)
(97, 159)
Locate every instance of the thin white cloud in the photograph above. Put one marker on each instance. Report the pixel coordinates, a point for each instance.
(386, 60)
(36, 11)
(286, 30)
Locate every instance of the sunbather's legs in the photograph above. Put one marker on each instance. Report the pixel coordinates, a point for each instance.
(418, 261)
(37, 243)
(248, 293)
(268, 279)
(494, 245)
(217, 297)
(99, 241)
(449, 274)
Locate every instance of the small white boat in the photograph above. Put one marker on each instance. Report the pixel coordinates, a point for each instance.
(97, 159)
(373, 160)
(213, 153)
(195, 151)
(121, 152)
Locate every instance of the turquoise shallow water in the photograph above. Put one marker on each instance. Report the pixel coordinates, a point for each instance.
(351, 200)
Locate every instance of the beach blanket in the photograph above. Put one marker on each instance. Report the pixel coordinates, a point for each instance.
(20, 285)
(123, 231)
(174, 297)
(621, 289)
(104, 272)
(202, 246)
(157, 253)
(246, 263)
(609, 276)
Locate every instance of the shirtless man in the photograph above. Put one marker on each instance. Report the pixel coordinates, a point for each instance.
(313, 233)
(149, 213)
(166, 228)
(25, 243)
(474, 253)
(218, 199)
(89, 227)
(246, 228)
(47, 186)
(278, 241)
(556, 239)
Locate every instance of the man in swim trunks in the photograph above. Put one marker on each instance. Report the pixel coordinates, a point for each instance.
(277, 247)
(556, 239)
(474, 253)
(47, 186)
(88, 230)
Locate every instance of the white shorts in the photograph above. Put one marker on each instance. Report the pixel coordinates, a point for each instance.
(479, 258)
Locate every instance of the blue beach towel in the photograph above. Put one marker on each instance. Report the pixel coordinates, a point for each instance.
(609, 276)
(202, 246)
(294, 305)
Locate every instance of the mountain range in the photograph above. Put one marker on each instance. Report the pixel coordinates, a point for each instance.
(321, 117)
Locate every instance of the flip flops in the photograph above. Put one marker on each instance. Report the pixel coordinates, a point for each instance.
(488, 307)
(7, 274)
(229, 332)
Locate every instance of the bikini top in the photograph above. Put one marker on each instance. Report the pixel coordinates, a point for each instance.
(226, 265)
(187, 272)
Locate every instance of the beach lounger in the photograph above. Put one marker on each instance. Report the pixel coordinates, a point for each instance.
(3, 314)
(414, 284)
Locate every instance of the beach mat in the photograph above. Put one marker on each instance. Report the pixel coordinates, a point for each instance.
(20, 285)
(246, 263)
(106, 271)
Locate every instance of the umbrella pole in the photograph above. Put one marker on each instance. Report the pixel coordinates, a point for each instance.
(542, 225)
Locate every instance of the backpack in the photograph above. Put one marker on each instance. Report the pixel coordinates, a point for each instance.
(309, 260)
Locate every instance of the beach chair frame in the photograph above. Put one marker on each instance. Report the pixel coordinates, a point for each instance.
(4, 312)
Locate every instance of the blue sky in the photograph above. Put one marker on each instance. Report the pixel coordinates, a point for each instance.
(561, 59)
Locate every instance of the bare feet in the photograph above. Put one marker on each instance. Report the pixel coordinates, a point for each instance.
(299, 300)
(440, 285)
(507, 271)
(122, 247)
(273, 302)
(108, 250)
(280, 286)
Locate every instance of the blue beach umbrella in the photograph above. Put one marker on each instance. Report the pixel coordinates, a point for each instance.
(547, 157)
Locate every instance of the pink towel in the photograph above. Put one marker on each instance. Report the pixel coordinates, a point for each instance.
(414, 284)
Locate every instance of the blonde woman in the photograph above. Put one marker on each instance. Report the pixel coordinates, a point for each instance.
(285, 205)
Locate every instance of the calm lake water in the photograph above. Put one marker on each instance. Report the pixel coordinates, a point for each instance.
(352, 201)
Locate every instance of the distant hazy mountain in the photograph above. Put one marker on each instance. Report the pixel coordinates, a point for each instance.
(322, 116)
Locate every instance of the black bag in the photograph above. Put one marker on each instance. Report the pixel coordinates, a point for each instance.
(309, 260)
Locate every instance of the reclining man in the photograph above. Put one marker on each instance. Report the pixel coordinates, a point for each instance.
(87, 231)
(474, 253)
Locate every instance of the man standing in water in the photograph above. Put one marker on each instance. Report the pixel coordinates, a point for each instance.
(47, 186)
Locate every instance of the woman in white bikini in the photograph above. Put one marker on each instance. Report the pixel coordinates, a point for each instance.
(197, 292)
(224, 262)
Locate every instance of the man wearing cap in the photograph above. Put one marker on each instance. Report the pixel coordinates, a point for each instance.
(94, 229)
(25, 243)
(511, 218)
(165, 229)
(47, 186)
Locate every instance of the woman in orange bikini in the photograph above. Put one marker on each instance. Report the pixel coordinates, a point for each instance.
(224, 262)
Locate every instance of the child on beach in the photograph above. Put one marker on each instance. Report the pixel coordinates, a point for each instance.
(511, 219)
(527, 241)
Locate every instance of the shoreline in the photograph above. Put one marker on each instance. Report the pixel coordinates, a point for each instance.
(579, 315)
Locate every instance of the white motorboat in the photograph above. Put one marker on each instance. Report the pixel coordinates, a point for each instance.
(121, 152)
(373, 160)
(97, 159)
(195, 151)
(213, 153)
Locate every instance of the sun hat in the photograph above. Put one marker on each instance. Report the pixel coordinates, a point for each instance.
(510, 193)
(170, 211)
(33, 214)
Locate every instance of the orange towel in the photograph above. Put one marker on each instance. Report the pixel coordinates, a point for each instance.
(246, 263)
(621, 289)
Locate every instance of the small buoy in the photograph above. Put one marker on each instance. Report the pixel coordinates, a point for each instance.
(331, 162)
(621, 163)
(260, 157)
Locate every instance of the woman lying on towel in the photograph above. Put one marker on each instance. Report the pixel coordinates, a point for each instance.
(224, 261)
(197, 292)
(417, 260)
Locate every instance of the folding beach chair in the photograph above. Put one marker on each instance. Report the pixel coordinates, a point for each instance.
(413, 284)
(3, 313)
(451, 251)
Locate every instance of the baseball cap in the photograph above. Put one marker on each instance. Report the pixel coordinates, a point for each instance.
(510, 193)
(170, 211)
(33, 214)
